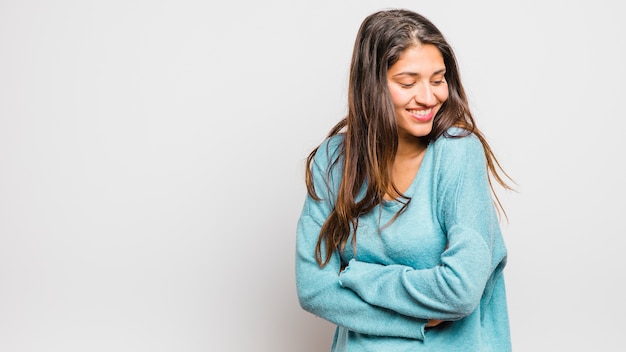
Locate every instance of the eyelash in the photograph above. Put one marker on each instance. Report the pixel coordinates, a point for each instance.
(436, 83)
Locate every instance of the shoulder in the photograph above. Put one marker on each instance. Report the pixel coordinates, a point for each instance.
(329, 150)
(326, 166)
(458, 145)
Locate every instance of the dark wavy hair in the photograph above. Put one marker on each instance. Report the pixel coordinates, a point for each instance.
(371, 134)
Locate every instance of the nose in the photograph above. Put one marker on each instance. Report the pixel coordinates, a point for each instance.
(424, 94)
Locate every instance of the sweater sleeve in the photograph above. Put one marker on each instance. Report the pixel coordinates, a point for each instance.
(453, 289)
(319, 291)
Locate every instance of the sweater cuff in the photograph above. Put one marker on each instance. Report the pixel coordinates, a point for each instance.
(349, 273)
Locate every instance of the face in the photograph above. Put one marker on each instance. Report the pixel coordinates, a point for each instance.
(418, 89)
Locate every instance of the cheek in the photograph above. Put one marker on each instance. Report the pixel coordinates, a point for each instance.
(399, 97)
(442, 93)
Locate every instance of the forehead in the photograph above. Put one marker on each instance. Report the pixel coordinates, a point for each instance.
(422, 59)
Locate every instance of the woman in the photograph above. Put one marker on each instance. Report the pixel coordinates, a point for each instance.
(399, 243)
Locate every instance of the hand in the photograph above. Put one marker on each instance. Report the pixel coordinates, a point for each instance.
(433, 322)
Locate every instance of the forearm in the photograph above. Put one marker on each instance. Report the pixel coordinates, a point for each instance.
(449, 291)
(320, 293)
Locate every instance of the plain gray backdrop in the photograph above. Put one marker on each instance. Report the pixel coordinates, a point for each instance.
(152, 154)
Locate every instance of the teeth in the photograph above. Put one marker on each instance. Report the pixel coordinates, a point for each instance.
(420, 112)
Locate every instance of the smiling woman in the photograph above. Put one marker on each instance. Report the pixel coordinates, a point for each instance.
(408, 172)
(417, 88)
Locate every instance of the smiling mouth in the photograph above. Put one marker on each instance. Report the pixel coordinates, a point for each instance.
(421, 113)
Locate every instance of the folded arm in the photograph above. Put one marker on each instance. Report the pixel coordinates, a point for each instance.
(453, 289)
(319, 290)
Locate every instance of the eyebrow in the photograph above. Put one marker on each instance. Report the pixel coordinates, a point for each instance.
(415, 74)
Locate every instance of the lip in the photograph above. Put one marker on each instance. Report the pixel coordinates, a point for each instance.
(422, 118)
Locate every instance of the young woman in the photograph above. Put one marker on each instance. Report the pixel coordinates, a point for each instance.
(399, 242)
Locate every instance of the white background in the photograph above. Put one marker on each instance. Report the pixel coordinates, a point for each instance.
(152, 154)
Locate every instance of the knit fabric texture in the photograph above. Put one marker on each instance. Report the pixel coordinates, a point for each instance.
(442, 258)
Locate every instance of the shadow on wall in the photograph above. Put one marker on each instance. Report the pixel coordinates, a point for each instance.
(267, 308)
(293, 328)
(309, 334)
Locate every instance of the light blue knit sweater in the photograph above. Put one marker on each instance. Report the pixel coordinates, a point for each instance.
(403, 275)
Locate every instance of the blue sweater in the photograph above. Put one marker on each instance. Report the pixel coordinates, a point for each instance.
(402, 275)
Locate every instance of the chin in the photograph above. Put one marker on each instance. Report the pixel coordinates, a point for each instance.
(423, 132)
(415, 130)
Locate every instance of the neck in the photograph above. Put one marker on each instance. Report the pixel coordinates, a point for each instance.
(409, 148)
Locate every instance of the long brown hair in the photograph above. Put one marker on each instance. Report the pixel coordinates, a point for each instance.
(371, 135)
